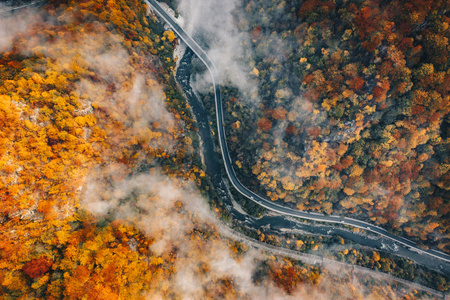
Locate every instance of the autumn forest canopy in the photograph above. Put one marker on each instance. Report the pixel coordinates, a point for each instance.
(103, 194)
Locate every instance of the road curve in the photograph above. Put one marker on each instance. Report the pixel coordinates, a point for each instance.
(251, 195)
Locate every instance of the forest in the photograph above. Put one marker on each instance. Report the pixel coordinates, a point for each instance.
(99, 172)
(352, 111)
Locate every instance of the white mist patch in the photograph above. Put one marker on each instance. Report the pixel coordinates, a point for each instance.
(110, 65)
(213, 22)
(12, 26)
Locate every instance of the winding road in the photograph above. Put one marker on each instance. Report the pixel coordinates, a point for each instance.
(248, 193)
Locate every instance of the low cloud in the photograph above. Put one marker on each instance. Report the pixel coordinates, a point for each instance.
(213, 23)
(11, 26)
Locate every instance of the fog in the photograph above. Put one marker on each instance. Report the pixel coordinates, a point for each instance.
(12, 26)
(213, 25)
